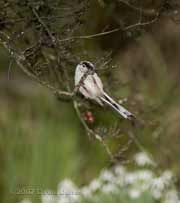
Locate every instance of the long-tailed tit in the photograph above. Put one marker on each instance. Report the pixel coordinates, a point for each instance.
(92, 88)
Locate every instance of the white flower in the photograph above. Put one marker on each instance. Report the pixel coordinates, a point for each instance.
(86, 191)
(143, 159)
(94, 185)
(157, 187)
(120, 174)
(161, 182)
(67, 186)
(158, 183)
(145, 175)
(131, 178)
(167, 176)
(67, 192)
(119, 170)
(140, 180)
(109, 188)
(157, 194)
(134, 193)
(171, 197)
(106, 175)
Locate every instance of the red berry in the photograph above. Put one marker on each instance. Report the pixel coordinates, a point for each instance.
(89, 117)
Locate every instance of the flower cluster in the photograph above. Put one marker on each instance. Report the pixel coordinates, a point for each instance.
(120, 182)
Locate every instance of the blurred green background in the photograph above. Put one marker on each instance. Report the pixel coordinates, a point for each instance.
(41, 139)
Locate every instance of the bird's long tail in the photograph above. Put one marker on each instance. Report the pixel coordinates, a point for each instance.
(120, 109)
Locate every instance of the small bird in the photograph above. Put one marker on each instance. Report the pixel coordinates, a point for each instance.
(92, 88)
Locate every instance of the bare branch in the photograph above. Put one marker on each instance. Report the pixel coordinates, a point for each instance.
(139, 24)
(92, 133)
(44, 25)
(20, 59)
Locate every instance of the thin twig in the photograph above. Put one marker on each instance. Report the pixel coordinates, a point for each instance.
(49, 18)
(141, 147)
(55, 44)
(111, 31)
(91, 133)
(10, 66)
(44, 25)
(20, 58)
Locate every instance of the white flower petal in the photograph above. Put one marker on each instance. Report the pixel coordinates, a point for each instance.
(86, 191)
(106, 175)
(134, 193)
(171, 197)
(94, 185)
(109, 188)
(143, 159)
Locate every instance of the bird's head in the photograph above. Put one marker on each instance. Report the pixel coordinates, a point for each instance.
(85, 66)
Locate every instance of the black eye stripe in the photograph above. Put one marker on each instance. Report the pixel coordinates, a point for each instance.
(88, 65)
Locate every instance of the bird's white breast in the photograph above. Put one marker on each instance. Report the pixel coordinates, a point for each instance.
(92, 86)
(78, 75)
